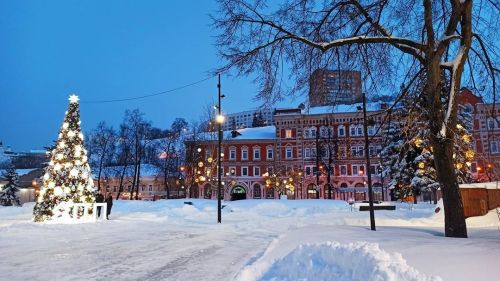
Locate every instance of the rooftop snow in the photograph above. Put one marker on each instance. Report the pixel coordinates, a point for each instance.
(343, 108)
(260, 133)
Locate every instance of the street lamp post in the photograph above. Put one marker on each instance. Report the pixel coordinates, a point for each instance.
(370, 190)
(220, 120)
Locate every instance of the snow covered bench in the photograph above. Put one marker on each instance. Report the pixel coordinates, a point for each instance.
(378, 207)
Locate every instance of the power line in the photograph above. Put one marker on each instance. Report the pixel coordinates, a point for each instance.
(151, 95)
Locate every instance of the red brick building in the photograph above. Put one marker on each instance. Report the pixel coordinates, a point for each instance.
(486, 136)
(297, 155)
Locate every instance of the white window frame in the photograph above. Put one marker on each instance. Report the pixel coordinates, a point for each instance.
(345, 170)
(232, 153)
(288, 133)
(232, 171)
(256, 171)
(270, 149)
(244, 151)
(256, 150)
(307, 153)
(287, 150)
(244, 168)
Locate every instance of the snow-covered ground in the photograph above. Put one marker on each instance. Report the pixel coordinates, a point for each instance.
(258, 240)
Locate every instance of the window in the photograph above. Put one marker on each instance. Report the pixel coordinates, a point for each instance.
(256, 171)
(232, 154)
(371, 130)
(343, 170)
(341, 131)
(354, 170)
(307, 133)
(373, 169)
(256, 153)
(353, 131)
(491, 124)
(360, 151)
(324, 132)
(308, 170)
(354, 151)
(244, 153)
(269, 153)
(307, 153)
(288, 134)
(150, 187)
(244, 171)
(288, 153)
(269, 170)
(494, 147)
(360, 131)
(232, 171)
(222, 171)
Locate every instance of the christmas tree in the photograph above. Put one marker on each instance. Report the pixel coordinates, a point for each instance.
(8, 195)
(67, 178)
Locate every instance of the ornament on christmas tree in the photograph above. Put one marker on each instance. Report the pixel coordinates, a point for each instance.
(67, 179)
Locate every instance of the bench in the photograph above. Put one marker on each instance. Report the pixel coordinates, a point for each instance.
(386, 207)
(188, 203)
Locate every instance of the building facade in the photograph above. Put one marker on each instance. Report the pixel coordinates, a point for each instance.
(332, 87)
(304, 156)
(486, 136)
(245, 119)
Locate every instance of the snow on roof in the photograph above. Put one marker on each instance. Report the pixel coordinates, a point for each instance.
(259, 133)
(487, 185)
(343, 108)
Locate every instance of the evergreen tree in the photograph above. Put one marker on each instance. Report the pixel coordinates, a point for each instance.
(8, 195)
(409, 155)
(67, 178)
(258, 120)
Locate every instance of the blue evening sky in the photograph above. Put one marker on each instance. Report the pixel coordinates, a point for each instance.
(106, 50)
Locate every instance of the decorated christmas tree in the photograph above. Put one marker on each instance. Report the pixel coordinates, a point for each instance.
(8, 192)
(67, 178)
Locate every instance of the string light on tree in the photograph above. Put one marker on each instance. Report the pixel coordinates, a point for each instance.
(67, 179)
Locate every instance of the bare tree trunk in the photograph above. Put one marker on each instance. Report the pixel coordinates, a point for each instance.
(138, 181)
(122, 176)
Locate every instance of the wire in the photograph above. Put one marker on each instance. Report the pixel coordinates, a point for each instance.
(151, 95)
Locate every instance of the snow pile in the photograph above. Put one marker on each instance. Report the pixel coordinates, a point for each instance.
(332, 261)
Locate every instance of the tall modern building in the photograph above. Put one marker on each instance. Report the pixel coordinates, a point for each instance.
(332, 87)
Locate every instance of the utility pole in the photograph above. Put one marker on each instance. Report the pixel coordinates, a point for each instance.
(367, 154)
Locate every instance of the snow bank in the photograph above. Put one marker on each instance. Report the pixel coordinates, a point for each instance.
(332, 261)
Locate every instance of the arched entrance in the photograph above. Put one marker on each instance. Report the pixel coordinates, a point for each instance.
(238, 193)
(257, 194)
(360, 195)
(312, 193)
(329, 189)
